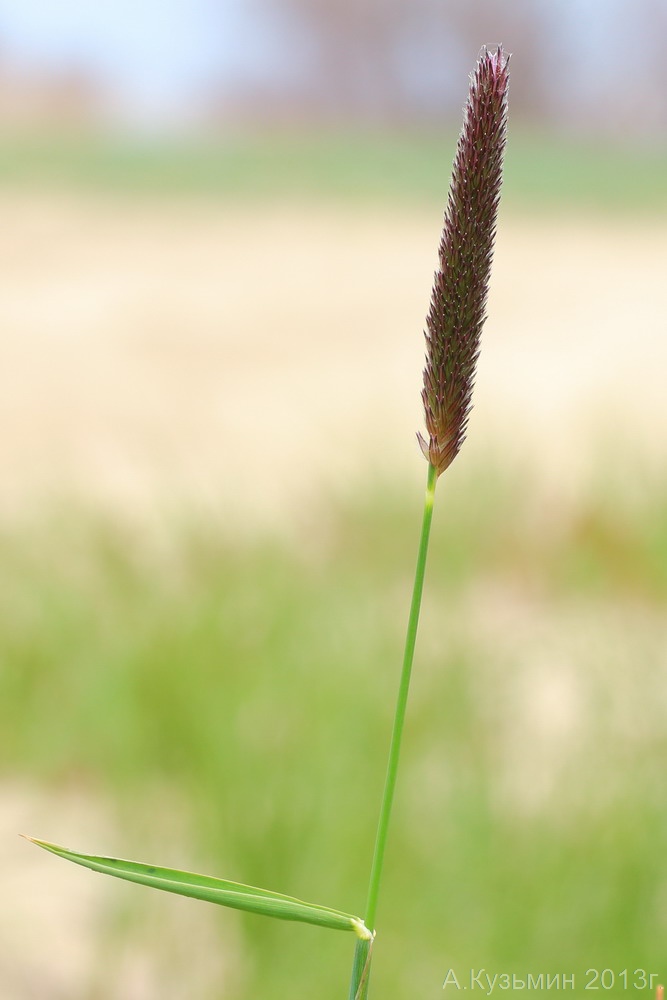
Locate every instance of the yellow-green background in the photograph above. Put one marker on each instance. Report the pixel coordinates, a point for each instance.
(209, 511)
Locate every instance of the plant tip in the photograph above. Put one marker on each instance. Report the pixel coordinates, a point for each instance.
(458, 300)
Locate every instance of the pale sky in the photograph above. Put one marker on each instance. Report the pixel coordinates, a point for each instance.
(152, 54)
(155, 57)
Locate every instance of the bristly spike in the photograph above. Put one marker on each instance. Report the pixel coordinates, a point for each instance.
(458, 301)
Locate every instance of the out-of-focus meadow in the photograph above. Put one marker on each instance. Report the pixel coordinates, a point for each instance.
(208, 515)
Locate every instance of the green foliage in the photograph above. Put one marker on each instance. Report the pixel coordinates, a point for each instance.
(208, 889)
(543, 171)
(216, 674)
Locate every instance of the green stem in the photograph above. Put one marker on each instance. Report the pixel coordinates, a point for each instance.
(360, 970)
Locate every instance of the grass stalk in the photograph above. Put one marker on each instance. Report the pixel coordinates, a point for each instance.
(363, 951)
(453, 328)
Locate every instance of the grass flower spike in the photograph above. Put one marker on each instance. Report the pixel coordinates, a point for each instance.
(458, 301)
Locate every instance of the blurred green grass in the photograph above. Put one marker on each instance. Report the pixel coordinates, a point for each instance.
(252, 683)
(543, 171)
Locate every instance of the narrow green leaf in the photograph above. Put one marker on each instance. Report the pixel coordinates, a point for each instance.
(215, 890)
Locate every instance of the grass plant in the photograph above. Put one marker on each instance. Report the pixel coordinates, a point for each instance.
(453, 330)
(454, 325)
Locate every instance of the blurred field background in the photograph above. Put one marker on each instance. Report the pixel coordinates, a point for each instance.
(219, 225)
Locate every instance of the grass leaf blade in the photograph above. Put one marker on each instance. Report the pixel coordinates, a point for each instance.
(214, 890)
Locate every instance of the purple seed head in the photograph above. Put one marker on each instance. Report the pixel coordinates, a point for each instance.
(458, 300)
